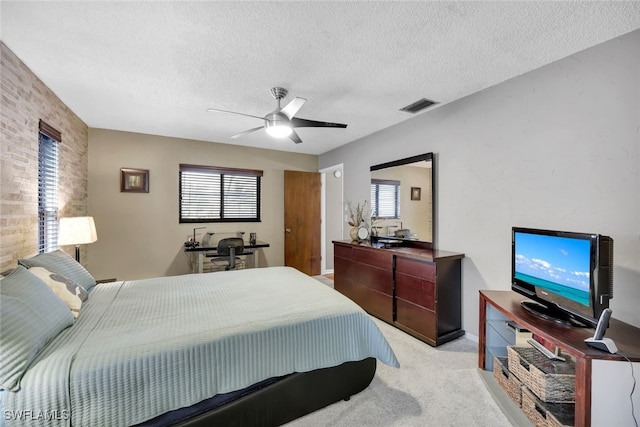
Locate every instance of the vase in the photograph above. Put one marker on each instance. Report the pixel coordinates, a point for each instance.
(354, 234)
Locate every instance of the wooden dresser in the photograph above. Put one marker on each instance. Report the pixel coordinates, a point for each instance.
(415, 289)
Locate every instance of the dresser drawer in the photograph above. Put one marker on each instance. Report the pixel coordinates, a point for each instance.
(342, 251)
(425, 270)
(342, 267)
(379, 305)
(372, 277)
(375, 303)
(375, 257)
(416, 290)
(417, 318)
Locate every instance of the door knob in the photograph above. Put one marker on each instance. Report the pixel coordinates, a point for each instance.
(288, 230)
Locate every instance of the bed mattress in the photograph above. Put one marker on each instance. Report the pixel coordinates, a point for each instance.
(143, 348)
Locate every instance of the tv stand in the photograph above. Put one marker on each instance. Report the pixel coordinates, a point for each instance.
(549, 313)
(603, 380)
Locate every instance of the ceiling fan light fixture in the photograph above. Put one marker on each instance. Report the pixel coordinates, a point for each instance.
(281, 122)
(278, 130)
(277, 125)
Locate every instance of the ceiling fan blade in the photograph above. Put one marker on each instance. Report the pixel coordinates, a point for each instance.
(304, 123)
(293, 107)
(217, 110)
(294, 137)
(246, 132)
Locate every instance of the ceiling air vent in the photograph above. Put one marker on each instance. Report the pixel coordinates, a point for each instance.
(419, 105)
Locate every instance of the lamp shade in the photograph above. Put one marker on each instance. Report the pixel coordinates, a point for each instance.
(78, 230)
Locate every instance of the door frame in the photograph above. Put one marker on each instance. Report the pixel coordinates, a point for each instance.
(323, 216)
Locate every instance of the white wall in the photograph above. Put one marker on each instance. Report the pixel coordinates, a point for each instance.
(555, 148)
(333, 213)
(138, 233)
(611, 385)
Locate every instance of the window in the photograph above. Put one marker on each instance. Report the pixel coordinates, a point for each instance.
(215, 194)
(48, 141)
(385, 199)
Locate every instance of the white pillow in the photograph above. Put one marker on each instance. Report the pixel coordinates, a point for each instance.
(66, 289)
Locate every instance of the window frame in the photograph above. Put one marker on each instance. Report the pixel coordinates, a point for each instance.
(375, 199)
(49, 140)
(222, 172)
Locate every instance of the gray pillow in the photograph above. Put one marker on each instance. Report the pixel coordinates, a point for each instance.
(60, 262)
(31, 316)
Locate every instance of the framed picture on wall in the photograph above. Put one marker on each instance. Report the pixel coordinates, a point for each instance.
(415, 193)
(134, 180)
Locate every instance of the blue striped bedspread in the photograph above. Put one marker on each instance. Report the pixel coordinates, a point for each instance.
(142, 348)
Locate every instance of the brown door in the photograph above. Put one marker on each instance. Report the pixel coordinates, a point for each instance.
(302, 221)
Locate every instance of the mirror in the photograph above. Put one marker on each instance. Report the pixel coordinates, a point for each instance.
(403, 192)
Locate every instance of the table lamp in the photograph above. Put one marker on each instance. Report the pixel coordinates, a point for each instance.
(77, 231)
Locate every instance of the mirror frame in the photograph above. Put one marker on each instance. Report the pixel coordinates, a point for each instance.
(414, 159)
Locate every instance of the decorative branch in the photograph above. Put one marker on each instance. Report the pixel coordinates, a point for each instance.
(358, 213)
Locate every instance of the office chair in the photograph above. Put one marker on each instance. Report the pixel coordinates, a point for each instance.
(230, 247)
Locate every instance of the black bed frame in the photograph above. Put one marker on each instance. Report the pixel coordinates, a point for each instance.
(292, 397)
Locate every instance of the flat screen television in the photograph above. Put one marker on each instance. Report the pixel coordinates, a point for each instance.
(569, 276)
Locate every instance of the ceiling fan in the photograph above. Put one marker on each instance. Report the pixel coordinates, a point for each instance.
(281, 122)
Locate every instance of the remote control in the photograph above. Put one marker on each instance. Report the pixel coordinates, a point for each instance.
(544, 350)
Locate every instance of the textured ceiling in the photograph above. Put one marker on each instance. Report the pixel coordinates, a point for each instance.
(155, 67)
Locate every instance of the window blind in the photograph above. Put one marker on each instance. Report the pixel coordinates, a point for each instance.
(47, 188)
(215, 194)
(385, 199)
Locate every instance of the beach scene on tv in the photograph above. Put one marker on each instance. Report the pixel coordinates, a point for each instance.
(560, 265)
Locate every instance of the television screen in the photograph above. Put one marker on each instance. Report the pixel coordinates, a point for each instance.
(557, 264)
(569, 275)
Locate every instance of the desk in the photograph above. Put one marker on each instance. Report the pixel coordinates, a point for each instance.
(196, 255)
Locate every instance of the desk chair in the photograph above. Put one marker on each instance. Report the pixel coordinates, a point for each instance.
(230, 247)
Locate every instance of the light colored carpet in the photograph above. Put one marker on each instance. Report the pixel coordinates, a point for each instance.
(433, 387)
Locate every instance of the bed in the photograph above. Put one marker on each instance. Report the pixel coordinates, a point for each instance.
(249, 347)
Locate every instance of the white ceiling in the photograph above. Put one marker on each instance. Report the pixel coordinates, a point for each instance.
(155, 67)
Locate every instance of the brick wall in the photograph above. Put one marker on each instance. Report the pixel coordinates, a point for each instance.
(25, 100)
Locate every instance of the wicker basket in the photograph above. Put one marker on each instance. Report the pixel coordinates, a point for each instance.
(507, 380)
(536, 413)
(550, 380)
(544, 414)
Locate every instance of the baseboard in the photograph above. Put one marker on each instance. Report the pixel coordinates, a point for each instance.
(471, 337)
